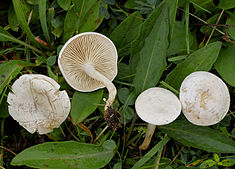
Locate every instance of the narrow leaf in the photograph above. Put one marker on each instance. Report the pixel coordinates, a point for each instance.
(200, 60)
(153, 53)
(172, 14)
(12, 19)
(9, 70)
(151, 153)
(200, 137)
(21, 18)
(225, 65)
(83, 104)
(70, 154)
(43, 19)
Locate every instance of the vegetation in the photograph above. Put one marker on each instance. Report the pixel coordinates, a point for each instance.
(159, 43)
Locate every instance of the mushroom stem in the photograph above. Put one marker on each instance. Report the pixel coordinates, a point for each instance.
(148, 136)
(90, 71)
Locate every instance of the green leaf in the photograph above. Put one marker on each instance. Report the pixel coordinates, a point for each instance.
(18, 6)
(199, 137)
(226, 4)
(51, 60)
(207, 164)
(151, 153)
(123, 94)
(65, 4)
(203, 5)
(61, 155)
(83, 104)
(4, 108)
(178, 43)
(216, 157)
(125, 33)
(9, 70)
(225, 64)
(70, 22)
(12, 19)
(227, 162)
(5, 38)
(43, 18)
(132, 4)
(152, 53)
(231, 20)
(200, 60)
(88, 12)
(172, 14)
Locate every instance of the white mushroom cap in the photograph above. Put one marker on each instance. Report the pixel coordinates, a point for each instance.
(205, 98)
(37, 104)
(85, 50)
(158, 106)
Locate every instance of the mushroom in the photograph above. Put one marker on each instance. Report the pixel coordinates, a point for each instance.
(37, 104)
(156, 106)
(205, 98)
(88, 62)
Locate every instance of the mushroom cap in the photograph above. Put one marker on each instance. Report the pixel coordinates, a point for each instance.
(88, 48)
(37, 104)
(205, 98)
(157, 106)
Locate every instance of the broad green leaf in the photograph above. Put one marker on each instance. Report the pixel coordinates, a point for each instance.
(151, 153)
(9, 70)
(4, 107)
(83, 104)
(125, 33)
(88, 12)
(226, 4)
(43, 19)
(178, 43)
(18, 6)
(69, 154)
(123, 94)
(200, 60)
(200, 137)
(152, 60)
(231, 20)
(127, 115)
(225, 64)
(138, 43)
(12, 19)
(65, 4)
(70, 22)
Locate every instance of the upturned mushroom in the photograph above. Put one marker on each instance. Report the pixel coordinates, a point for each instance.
(88, 62)
(37, 104)
(156, 106)
(205, 98)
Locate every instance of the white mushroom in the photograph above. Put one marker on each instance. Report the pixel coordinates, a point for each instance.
(156, 106)
(205, 98)
(88, 61)
(37, 104)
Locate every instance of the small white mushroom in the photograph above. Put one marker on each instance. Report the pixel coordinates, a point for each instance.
(205, 98)
(156, 106)
(37, 104)
(88, 61)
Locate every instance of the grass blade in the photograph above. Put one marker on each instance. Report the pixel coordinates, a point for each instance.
(43, 18)
(186, 27)
(151, 153)
(21, 18)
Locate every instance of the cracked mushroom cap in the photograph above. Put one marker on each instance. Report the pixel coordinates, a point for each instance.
(88, 48)
(205, 98)
(157, 106)
(37, 104)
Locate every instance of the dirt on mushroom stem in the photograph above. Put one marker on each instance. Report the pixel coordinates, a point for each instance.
(112, 117)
